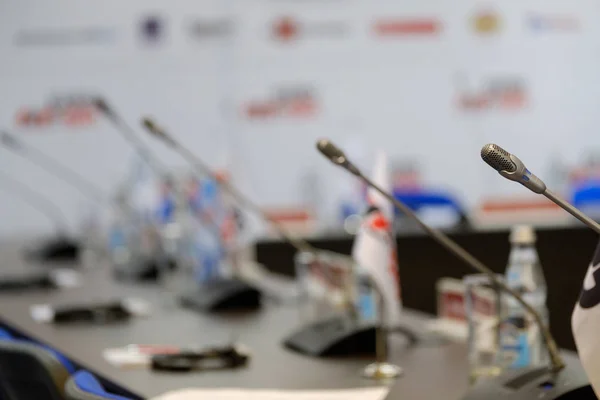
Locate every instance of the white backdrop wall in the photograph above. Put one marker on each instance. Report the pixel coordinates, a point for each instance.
(219, 89)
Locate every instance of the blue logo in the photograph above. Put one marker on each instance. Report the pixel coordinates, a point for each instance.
(544, 23)
(152, 29)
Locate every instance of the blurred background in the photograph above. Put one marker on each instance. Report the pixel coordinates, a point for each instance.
(250, 85)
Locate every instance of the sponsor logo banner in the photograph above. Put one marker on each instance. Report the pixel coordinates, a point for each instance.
(298, 102)
(72, 111)
(538, 22)
(287, 28)
(49, 37)
(407, 27)
(497, 93)
(201, 29)
(486, 22)
(152, 30)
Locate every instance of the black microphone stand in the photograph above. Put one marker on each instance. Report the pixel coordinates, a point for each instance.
(55, 250)
(340, 335)
(140, 267)
(60, 248)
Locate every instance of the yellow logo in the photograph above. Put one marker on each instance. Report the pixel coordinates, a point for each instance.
(486, 23)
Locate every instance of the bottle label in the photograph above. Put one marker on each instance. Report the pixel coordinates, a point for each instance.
(516, 348)
(367, 303)
(117, 239)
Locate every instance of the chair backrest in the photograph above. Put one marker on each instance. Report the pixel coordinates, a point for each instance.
(28, 371)
(84, 386)
(587, 194)
(418, 200)
(6, 335)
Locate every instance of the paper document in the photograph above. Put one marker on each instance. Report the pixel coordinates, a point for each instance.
(377, 393)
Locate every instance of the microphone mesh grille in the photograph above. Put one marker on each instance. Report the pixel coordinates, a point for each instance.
(497, 158)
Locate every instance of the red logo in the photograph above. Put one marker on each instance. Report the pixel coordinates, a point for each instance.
(378, 224)
(406, 27)
(285, 103)
(498, 93)
(66, 111)
(286, 29)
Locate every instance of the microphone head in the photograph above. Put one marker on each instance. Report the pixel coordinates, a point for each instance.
(331, 151)
(100, 104)
(152, 127)
(498, 158)
(156, 131)
(511, 167)
(336, 156)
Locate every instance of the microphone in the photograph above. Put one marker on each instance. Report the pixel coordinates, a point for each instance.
(511, 167)
(53, 166)
(130, 136)
(37, 201)
(147, 267)
(321, 338)
(337, 156)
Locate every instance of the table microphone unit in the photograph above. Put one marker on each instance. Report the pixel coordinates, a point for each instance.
(556, 381)
(147, 268)
(62, 172)
(343, 335)
(220, 294)
(59, 248)
(511, 167)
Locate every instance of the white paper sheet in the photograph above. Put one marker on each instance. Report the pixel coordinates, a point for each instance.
(377, 393)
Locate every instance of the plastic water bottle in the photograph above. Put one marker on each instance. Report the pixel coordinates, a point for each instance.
(206, 247)
(521, 339)
(207, 254)
(119, 235)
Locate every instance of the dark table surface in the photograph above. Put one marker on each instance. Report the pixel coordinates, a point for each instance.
(431, 370)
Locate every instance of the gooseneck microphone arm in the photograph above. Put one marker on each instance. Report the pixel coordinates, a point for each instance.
(129, 135)
(299, 244)
(572, 210)
(38, 201)
(336, 156)
(203, 169)
(138, 145)
(51, 165)
(511, 167)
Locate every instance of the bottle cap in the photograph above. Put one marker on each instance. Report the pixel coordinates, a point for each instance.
(522, 234)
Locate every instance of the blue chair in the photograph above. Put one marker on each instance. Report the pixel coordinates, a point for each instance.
(29, 371)
(5, 335)
(84, 386)
(587, 195)
(421, 199)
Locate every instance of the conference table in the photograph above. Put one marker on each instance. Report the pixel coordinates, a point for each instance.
(431, 369)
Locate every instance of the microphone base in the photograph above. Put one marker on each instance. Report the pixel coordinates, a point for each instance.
(36, 281)
(534, 383)
(382, 371)
(144, 270)
(336, 336)
(222, 295)
(55, 250)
